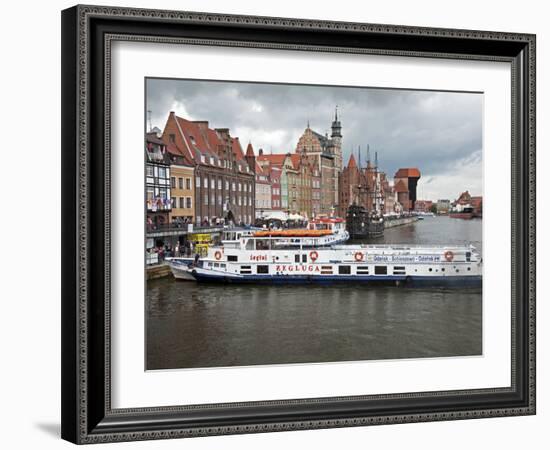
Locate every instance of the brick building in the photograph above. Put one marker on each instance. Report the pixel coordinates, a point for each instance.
(405, 181)
(224, 177)
(466, 200)
(423, 206)
(279, 183)
(263, 186)
(325, 155)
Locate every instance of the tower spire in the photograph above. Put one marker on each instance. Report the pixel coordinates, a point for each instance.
(368, 154)
(359, 157)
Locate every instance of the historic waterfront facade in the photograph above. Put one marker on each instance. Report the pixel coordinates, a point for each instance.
(157, 182)
(182, 195)
(224, 177)
(325, 155)
(465, 199)
(263, 186)
(275, 165)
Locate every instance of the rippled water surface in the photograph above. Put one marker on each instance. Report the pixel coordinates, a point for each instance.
(197, 325)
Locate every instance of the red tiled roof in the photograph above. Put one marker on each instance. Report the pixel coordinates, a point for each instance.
(408, 173)
(276, 160)
(173, 149)
(295, 158)
(198, 137)
(237, 149)
(352, 164)
(249, 150)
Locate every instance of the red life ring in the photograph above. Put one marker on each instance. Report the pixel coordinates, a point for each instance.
(218, 255)
(449, 255)
(313, 255)
(359, 256)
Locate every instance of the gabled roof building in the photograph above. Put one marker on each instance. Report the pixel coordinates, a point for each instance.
(224, 176)
(325, 155)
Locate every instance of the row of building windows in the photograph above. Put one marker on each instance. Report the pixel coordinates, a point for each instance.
(246, 187)
(263, 203)
(157, 171)
(180, 183)
(241, 218)
(222, 163)
(182, 202)
(240, 200)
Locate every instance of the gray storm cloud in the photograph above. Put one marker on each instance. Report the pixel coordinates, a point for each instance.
(438, 132)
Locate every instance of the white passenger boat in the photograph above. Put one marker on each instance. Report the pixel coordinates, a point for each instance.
(181, 265)
(261, 258)
(320, 232)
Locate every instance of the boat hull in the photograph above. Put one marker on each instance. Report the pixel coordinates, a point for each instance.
(409, 281)
(180, 268)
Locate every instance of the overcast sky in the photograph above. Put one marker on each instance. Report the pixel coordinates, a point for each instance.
(440, 133)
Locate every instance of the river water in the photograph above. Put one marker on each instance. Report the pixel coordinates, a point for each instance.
(191, 325)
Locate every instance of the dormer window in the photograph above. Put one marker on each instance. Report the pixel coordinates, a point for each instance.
(203, 159)
(212, 161)
(192, 138)
(172, 138)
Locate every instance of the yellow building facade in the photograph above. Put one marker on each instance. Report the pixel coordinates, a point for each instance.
(182, 193)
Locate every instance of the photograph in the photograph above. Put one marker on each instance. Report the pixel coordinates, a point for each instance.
(299, 224)
(331, 224)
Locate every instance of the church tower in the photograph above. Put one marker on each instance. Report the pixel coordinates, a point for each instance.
(336, 137)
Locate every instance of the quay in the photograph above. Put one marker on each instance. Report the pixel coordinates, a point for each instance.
(158, 271)
(171, 230)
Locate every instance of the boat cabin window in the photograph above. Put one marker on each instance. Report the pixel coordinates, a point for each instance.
(399, 270)
(344, 270)
(468, 256)
(296, 258)
(262, 244)
(246, 270)
(263, 269)
(232, 258)
(380, 270)
(250, 244)
(304, 258)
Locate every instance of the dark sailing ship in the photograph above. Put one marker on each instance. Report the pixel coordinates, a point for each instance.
(367, 222)
(362, 224)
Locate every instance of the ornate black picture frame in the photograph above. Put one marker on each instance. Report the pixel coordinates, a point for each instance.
(87, 34)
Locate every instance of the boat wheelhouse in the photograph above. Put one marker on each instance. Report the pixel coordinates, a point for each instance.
(336, 226)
